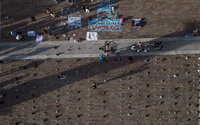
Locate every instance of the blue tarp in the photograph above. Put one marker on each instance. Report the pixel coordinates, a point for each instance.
(31, 33)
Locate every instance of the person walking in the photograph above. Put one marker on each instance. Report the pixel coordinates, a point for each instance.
(87, 10)
(94, 85)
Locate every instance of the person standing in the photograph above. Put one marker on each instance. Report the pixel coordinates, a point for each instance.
(87, 10)
(94, 85)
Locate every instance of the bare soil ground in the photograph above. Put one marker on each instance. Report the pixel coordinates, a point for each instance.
(163, 18)
(150, 90)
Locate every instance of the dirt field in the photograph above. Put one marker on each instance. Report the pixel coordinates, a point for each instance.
(152, 90)
(163, 18)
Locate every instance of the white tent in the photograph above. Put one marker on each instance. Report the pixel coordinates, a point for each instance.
(92, 36)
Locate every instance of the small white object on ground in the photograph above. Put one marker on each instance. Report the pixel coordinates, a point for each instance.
(104, 80)
(64, 35)
(175, 75)
(75, 41)
(133, 48)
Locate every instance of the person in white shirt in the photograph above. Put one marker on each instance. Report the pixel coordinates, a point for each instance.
(87, 10)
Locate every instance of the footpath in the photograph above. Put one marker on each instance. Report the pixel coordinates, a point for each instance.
(85, 49)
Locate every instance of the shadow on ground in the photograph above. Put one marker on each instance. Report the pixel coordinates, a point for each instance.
(41, 86)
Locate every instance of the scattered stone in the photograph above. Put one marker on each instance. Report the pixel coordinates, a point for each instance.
(162, 81)
(68, 49)
(147, 115)
(58, 61)
(130, 59)
(176, 96)
(147, 106)
(163, 59)
(17, 123)
(148, 96)
(57, 106)
(79, 115)
(188, 112)
(161, 89)
(45, 120)
(130, 87)
(175, 75)
(57, 116)
(162, 102)
(35, 74)
(176, 88)
(62, 76)
(58, 54)
(148, 73)
(57, 111)
(64, 35)
(106, 115)
(147, 60)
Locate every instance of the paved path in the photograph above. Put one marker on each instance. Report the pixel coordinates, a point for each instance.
(0, 19)
(31, 50)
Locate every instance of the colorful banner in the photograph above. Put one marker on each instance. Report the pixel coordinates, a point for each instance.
(105, 19)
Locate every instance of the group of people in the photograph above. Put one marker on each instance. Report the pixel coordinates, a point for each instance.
(85, 8)
(107, 49)
(147, 46)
